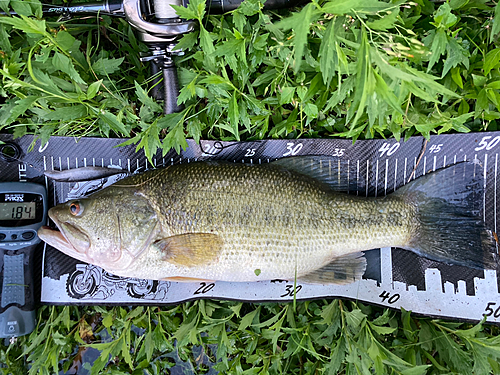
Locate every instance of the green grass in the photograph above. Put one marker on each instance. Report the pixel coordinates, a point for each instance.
(353, 69)
(332, 337)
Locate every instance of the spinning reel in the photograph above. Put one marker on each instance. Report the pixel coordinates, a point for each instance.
(159, 27)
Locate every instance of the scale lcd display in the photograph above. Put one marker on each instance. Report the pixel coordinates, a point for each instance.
(18, 211)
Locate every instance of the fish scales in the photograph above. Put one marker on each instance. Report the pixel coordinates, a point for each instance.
(269, 219)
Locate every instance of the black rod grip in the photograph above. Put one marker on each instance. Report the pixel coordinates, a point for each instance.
(171, 88)
(156, 85)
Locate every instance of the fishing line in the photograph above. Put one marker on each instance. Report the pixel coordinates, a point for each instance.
(218, 146)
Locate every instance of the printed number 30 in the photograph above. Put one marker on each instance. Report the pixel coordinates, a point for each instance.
(293, 149)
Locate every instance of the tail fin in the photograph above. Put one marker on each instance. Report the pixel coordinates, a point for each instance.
(450, 228)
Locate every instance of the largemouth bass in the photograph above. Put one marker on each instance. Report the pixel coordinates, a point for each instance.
(283, 220)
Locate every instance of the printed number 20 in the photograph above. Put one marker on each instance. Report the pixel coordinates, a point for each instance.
(204, 288)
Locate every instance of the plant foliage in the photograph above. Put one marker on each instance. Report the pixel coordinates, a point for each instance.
(316, 337)
(348, 68)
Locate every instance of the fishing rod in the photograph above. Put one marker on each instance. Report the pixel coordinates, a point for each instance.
(159, 27)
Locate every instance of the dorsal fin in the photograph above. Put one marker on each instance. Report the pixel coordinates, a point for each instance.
(330, 171)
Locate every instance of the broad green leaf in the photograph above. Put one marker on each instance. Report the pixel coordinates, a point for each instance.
(341, 7)
(478, 81)
(355, 319)
(386, 22)
(21, 7)
(481, 102)
(65, 40)
(187, 13)
(491, 60)
(247, 320)
(234, 115)
(457, 4)
(494, 85)
(365, 82)
(208, 48)
(496, 23)
(265, 78)
(175, 139)
(456, 54)
(249, 7)
(194, 10)
(4, 5)
(311, 110)
(16, 110)
(438, 47)
(111, 120)
(457, 78)
(145, 99)
(64, 63)
(105, 66)
(93, 89)
(301, 23)
(194, 127)
(385, 93)
(328, 59)
(383, 330)
(444, 17)
(5, 40)
(417, 370)
(26, 24)
(67, 113)
(287, 94)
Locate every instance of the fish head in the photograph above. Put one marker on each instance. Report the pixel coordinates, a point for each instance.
(109, 229)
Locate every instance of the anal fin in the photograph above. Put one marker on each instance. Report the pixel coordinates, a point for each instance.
(341, 270)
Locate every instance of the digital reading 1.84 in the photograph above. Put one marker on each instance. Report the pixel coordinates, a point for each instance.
(17, 211)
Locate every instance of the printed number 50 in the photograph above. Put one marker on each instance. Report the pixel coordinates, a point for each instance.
(489, 311)
(488, 145)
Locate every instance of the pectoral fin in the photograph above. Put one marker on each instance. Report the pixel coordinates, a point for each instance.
(190, 249)
(341, 270)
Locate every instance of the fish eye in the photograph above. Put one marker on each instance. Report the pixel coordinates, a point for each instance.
(76, 208)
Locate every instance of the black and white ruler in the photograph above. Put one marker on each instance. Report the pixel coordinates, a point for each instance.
(395, 278)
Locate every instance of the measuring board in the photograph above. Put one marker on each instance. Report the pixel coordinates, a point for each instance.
(394, 278)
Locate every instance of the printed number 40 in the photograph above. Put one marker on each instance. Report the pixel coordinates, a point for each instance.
(387, 296)
(387, 148)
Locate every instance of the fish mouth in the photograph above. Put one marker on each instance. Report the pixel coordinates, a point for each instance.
(59, 240)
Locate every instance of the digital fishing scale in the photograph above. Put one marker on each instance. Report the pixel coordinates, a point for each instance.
(23, 209)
